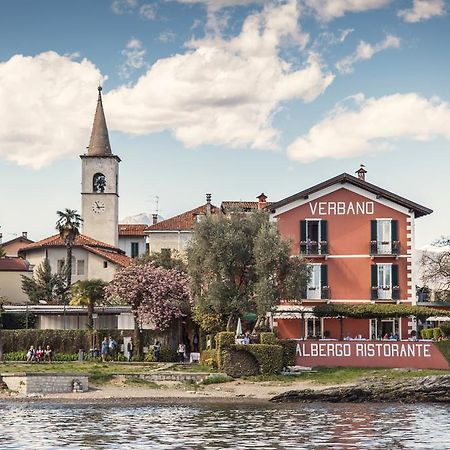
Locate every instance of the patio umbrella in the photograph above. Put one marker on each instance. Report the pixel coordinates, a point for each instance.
(239, 327)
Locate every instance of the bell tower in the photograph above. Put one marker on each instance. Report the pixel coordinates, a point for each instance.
(100, 183)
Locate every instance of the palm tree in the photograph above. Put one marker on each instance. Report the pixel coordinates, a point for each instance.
(88, 293)
(68, 225)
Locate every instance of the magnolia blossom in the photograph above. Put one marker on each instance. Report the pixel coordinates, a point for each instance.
(156, 295)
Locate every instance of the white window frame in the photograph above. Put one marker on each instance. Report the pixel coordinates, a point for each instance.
(317, 326)
(384, 236)
(314, 288)
(384, 285)
(396, 326)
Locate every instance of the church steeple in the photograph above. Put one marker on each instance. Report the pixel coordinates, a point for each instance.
(99, 144)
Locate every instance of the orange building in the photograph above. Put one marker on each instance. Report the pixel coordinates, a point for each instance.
(359, 239)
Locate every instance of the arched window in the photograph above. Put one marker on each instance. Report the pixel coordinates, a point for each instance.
(99, 182)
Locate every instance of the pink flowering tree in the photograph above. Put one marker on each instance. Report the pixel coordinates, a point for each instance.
(156, 295)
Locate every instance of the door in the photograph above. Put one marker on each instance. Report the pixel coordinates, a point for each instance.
(314, 285)
(384, 238)
(384, 282)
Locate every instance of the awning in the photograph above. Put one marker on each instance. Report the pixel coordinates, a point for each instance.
(439, 319)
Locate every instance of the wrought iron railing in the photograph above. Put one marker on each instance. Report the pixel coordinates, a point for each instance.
(312, 248)
(384, 248)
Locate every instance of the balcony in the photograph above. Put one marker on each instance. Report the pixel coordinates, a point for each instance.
(317, 293)
(386, 293)
(314, 248)
(384, 248)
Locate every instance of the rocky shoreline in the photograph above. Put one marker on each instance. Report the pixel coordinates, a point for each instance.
(405, 390)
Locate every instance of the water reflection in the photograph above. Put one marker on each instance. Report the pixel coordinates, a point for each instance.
(339, 426)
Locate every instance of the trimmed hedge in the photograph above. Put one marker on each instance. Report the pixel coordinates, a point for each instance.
(289, 349)
(209, 358)
(166, 355)
(239, 363)
(445, 329)
(268, 338)
(444, 348)
(224, 340)
(269, 357)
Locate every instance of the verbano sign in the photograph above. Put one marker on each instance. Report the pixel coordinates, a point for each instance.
(341, 208)
(406, 354)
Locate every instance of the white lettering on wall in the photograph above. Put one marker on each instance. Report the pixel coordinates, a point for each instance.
(342, 208)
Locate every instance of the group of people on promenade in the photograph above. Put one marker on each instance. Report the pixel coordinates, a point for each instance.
(39, 354)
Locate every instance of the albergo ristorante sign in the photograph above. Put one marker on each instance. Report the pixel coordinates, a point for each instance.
(390, 354)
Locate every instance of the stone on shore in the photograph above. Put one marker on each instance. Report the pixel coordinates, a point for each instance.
(405, 390)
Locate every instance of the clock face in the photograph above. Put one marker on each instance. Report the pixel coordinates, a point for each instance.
(98, 207)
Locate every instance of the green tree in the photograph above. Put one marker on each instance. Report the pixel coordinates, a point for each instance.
(239, 263)
(2, 252)
(68, 226)
(45, 285)
(88, 293)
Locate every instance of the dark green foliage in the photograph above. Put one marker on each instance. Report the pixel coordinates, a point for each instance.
(268, 338)
(269, 357)
(445, 329)
(225, 339)
(18, 321)
(238, 263)
(239, 363)
(166, 355)
(45, 285)
(165, 258)
(371, 311)
(289, 350)
(437, 333)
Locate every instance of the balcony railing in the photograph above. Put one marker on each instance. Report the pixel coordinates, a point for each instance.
(316, 293)
(385, 293)
(312, 248)
(384, 248)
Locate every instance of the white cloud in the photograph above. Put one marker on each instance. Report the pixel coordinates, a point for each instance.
(134, 54)
(366, 51)
(166, 36)
(373, 126)
(423, 10)
(47, 104)
(223, 91)
(148, 11)
(123, 6)
(330, 9)
(216, 5)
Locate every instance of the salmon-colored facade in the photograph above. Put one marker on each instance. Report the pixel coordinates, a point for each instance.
(358, 239)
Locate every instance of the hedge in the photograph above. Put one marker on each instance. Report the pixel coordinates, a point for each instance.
(444, 348)
(289, 350)
(268, 338)
(224, 339)
(269, 357)
(445, 329)
(166, 355)
(209, 358)
(239, 363)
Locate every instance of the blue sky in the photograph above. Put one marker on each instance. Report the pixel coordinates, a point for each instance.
(232, 97)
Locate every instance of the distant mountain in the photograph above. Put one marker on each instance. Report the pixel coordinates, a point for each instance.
(140, 218)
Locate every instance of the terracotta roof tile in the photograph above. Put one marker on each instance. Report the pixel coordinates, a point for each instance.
(14, 264)
(80, 241)
(241, 205)
(116, 258)
(132, 229)
(184, 221)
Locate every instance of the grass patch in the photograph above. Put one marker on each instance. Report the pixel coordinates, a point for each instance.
(192, 368)
(216, 379)
(142, 383)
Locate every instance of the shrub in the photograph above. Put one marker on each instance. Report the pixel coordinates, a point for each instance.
(239, 363)
(444, 348)
(427, 333)
(225, 339)
(209, 358)
(215, 379)
(268, 338)
(166, 355)
(436, 333)
(15, 356)
(445, 329)
(289, 349)
(269, 357)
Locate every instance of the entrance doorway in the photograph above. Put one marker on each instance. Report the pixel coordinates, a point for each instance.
(385, 327)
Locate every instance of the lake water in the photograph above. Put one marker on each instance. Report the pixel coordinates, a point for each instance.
(296, 426)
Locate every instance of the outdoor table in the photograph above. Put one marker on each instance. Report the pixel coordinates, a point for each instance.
(194, 357)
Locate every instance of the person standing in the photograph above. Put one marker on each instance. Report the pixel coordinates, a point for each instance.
(157, 350)
(104, 349)
(130, 349)
(112, 347)
(195, 342)
(181, 352)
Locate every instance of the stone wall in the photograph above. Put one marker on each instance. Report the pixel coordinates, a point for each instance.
(43, 383)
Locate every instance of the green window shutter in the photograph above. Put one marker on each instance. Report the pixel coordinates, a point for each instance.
(324, 275)
(303, 230)
(373, 230)
(374, 273)
(394, 230)
(394, 275)
(324, 230)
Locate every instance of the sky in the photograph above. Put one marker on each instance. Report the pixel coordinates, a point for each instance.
(229, 97)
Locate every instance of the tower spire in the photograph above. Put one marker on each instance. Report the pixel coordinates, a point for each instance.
(99, 142)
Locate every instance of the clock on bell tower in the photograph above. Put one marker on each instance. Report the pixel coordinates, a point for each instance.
(99, 183)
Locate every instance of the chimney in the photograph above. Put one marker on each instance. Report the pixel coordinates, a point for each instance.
(262, 203)
(25, 234)
(208, 204)
(154, 219)
(362, 172)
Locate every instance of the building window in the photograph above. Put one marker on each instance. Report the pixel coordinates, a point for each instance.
(80, 267)
(385, 282)
(313, 237)
(98, 183)
(313, 327)
(317, 288)
(105, 264)
(385, 328)
(60, 265)
(134, 249)
(384, 237)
